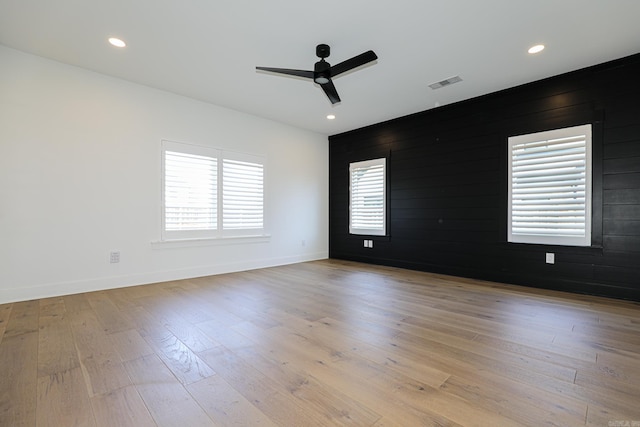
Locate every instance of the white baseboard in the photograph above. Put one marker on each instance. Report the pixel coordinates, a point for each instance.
(102, 283)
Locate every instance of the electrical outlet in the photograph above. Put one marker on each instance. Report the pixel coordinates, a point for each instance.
(114, 257)
(371, 243)
(550, 258)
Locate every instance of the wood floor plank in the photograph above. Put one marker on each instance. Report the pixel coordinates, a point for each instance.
(289, 344)
(337, 407)
(100, 362)
(625, 394)
(23, 319)
(263, 393)
(619, 368)
(451, 406)
(181, 301)
(223, 335)
(110, 317)
(177, 324)
(76, 303)
(378, 350)
(63, 400)
(545, 352)
(127, 299)
(321, 362)
(500, 362)
(511, 400)
(56, 346)
(225, 406)
(130, 345)
(122, 407)
(246, 301)
(5, 311)
(184, 363)
(168, 401)
(600, 416)
(19, 365)
(501, 375)
(354, 377)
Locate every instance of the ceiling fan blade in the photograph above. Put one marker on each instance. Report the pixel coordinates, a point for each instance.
(331, 92)
(352, 63)
(298, 73)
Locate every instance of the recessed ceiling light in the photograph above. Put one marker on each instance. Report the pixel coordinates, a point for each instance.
(535, 49)
(117, 42)
(331, 117)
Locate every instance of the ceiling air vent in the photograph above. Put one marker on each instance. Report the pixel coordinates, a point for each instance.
(446, 82)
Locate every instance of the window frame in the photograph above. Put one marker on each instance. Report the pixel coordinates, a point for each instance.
(549, 135)
(220, 231)
(354, 230)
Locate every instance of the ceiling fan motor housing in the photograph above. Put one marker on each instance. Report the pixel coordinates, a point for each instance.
(321, 72)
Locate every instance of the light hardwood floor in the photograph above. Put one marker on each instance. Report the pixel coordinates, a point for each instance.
(320, 344)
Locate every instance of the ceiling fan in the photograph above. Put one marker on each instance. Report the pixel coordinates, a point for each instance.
(323, 72)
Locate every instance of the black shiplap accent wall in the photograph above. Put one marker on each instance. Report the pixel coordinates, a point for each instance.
(447, 186)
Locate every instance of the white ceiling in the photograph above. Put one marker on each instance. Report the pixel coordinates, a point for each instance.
(208, 49)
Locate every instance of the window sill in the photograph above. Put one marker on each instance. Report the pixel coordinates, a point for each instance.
(211, 241)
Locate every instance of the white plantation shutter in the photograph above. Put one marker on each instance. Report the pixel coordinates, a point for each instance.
(210, 193)
(242, 195)
(550, 187)
(190, 192)
(367, 191)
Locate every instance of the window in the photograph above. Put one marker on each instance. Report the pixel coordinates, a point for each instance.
(550, 187)
(242, 195)
(367, 190)
(209, 193)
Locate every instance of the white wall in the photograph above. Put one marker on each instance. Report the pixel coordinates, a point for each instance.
(80, 177)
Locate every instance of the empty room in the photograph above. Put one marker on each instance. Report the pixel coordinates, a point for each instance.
(348, 213)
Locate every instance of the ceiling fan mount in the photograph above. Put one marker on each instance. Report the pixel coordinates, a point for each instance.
(323, 51)
(323, 72)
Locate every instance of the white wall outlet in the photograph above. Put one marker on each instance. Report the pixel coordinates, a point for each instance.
(550, 258)
(114, 257)
(366, 243)
(371, 243)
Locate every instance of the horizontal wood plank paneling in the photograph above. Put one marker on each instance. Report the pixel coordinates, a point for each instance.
(447, 189)
(622, 165)
(622, 227)
(630, 196)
